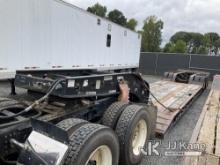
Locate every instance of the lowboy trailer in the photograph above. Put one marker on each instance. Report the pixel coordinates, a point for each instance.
(100, 118)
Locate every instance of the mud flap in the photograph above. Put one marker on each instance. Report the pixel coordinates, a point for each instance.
(46, 145)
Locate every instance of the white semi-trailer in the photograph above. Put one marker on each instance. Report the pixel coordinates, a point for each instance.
(55, 35)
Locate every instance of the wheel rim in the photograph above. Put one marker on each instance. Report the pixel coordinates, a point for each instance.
(101, 156)
(139, 136)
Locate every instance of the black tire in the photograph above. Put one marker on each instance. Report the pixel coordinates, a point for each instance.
(87, 139)
(71, 124)
(124, 129)
(112, 114)
(152, 117)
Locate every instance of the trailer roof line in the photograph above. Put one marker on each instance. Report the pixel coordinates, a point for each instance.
(78, 8)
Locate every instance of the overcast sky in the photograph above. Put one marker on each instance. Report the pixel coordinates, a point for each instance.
(178, 15)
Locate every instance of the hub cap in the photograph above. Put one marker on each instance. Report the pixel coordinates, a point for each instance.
(139, 136)
(100, 156)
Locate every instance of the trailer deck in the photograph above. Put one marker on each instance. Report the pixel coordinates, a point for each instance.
(207, 130)
(176, 97)
(174, 94)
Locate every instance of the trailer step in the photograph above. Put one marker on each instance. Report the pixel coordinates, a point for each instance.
(207, 130)
(176, 97)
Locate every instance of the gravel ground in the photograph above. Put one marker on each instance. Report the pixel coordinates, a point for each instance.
(181, 131)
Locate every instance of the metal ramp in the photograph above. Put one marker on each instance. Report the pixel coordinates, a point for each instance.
(176, 97)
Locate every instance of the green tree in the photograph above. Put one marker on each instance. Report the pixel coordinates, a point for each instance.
(178, 47)
(196, 43)
(98, 9)
(152, 34)
(193, 40)
(167, 47)
(197, 39)
(217, 46)
(184, 36)
(211, 37)
(117, 17)
(132, 23)
(203, 50)
(211, 42)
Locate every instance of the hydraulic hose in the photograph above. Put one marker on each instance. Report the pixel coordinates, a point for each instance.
(37, 102)
(18, 122)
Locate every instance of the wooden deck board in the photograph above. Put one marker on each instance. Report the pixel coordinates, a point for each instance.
(194, 161)
(202, 160)
(207, 132)
(212, 160)
(163, 121)
(217, 147)
(173, 95)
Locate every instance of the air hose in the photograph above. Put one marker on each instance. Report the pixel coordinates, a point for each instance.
(37, 102)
